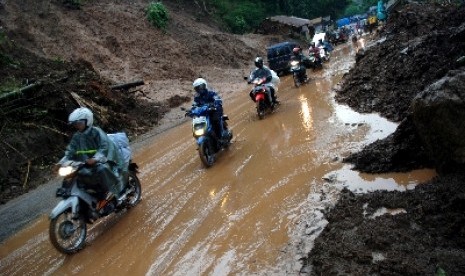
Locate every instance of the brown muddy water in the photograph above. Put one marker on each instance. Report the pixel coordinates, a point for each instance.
(256, 211)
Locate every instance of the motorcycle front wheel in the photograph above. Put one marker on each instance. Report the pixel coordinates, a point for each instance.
(206, 154)
(68, 235)
(134, 184)
(296, 79)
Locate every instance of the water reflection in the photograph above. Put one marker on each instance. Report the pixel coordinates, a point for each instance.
(363, 182)
(380, 127)
(306, 113)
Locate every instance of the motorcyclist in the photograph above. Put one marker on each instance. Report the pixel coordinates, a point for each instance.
(262, 71)
(204, 96)
(315, 51)
(325, 44)
(91, 145)
(300, 57)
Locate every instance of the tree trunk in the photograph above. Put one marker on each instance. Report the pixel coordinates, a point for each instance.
(5, 97)
(126, 86)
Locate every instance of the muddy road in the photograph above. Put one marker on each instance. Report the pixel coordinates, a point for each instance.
(256, 211)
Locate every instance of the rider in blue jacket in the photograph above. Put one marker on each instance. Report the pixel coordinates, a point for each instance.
(203, 96)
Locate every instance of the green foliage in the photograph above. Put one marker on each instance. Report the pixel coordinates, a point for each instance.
(5, 43)
(2, 37)
(244, 15)
(353, 9)
(9, 85)
(73, 4)
(239, 16)
(359, 7)
(157, 15)
(236, 23)
(59, 60)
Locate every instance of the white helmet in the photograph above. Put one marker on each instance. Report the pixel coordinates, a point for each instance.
(200, 84)
(81, 113)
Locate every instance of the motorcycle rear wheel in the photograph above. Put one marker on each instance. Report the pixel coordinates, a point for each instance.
(68, 235)
(206, 154)
(261, 109)
(134, 197)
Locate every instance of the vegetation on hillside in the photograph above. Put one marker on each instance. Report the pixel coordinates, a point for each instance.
(241, 16)
(157, 15)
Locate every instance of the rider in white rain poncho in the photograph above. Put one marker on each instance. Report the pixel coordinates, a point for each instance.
(262, 71)
(91, 145)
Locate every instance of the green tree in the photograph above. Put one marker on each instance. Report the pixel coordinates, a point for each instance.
(239, 16)
(243, 15)
(157, 15)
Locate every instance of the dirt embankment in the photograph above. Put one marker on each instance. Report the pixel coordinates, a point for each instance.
(76, 55)
(418, 232)
(72, 57)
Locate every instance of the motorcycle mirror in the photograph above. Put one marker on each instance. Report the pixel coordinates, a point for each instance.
(245, 78)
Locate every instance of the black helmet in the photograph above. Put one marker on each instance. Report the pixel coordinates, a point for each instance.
(296, 50)
(259, 62)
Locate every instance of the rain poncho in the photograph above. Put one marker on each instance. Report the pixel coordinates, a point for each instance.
(265, 72)
(94, 143)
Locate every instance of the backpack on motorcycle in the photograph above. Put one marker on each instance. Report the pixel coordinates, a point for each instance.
(121, 141)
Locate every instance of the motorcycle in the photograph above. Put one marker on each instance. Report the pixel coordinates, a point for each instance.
(261, 98)
(79, 206)
(338, 37)
(202, 129)
(324, 53)
(315, 61)
(298, 72)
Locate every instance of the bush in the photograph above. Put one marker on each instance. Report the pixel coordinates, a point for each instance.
(240, 16)
(157, 15)
(237, 24)
(72, 4)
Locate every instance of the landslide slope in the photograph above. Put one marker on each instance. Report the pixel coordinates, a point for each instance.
(71, 57)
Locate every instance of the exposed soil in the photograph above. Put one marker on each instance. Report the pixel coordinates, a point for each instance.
(418, 232)
(75, 55)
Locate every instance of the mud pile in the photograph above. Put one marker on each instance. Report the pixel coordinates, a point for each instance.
(76, 53)
(414, 50)
(34, 129)
(421, 231)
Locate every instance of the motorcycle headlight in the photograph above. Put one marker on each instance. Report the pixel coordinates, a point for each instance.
(294, 63)
(64, 171)
(199, 130)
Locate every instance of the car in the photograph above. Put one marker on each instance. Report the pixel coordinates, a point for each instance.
(279, 56)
